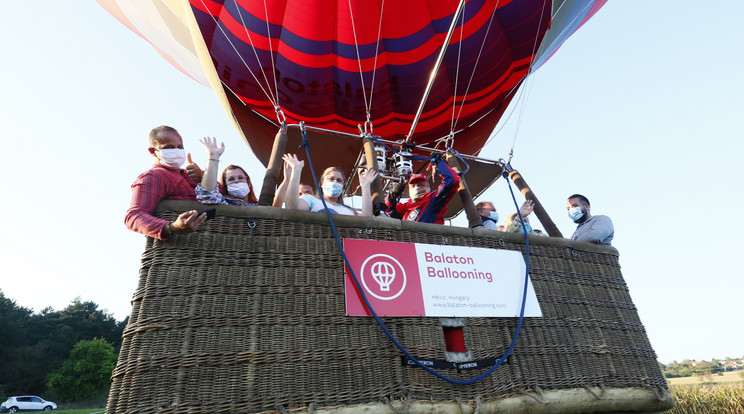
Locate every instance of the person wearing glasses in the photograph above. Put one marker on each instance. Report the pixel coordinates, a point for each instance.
(234, 188)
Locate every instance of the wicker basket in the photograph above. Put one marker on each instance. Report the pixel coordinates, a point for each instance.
(247, 315)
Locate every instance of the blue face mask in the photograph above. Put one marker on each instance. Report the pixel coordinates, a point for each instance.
(332, 189)
(527, 228)
(494, 215)
(575, 213)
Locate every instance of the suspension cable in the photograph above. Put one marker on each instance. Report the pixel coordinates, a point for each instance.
(477, 61)
(435, 71)
(529, 82)
(521, 98)
(525, 92)
(374, 68)
(457, 75)
(271, 54)
(269, 94)
(359, 59)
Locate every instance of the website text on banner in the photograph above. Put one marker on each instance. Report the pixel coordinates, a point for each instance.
(414, 279)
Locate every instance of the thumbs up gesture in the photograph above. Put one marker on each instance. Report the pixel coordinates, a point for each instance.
(194, 171)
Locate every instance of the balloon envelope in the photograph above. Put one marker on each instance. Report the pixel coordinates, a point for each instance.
(340, 64)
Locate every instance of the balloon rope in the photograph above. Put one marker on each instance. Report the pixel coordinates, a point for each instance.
(525, 92)
(271, 53)
(217, 24)
(359, 59)
(435, 70)
(374, 68)
(274, 98)
(521, 99)
(528, 87)
(472, 74)
(457, 76)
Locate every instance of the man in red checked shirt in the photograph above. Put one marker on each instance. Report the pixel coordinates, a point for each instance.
(165, 179)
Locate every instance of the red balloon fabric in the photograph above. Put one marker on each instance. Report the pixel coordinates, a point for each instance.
(330, 63)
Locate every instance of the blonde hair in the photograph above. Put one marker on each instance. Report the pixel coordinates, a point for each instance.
(327, 172)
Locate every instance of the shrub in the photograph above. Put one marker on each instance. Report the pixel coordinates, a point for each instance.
(86, 373)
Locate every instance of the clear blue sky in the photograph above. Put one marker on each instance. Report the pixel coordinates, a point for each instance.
(640, 111)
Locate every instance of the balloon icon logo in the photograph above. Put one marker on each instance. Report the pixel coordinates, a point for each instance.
(384, 274)
(383, 277)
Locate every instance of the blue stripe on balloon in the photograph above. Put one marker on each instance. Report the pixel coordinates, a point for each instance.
(345, 50)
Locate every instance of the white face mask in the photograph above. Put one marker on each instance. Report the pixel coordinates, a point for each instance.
(332, 189)
(172, 157)
(238, 190)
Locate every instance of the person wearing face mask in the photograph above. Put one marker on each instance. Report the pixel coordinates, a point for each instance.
(514, 225)
(425, 205)
(593, 229)
(331, 184)
(488, 214)
(235, 186)
(165, 179)
(281, 190)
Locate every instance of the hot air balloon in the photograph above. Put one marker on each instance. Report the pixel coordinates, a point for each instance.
(262, 324)
(344, 66)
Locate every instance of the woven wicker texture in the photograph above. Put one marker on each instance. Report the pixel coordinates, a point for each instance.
(247, 315)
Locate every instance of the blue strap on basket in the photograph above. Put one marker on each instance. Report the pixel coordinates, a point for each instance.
(306, 145)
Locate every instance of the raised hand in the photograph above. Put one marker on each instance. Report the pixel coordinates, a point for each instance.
(293, 161)
(287, 170)
(292, 200)
(211, 145)
(527, 208)
(367, 178)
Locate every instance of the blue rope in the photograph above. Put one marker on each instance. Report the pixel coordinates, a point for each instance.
(464, 162)
(418, 157)
(306, 144)
(381, 143)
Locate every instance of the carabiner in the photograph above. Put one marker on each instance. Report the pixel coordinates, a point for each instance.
(280, 115)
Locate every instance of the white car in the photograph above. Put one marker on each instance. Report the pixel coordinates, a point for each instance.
(26, 403)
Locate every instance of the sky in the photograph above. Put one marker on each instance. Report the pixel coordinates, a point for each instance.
(640, 111)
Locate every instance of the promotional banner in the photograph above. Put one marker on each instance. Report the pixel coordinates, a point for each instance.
(414, 279)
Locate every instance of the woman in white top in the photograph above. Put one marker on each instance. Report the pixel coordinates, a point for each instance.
(332, 183)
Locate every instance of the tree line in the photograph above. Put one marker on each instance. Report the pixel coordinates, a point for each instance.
(67, 354)
(688, 368)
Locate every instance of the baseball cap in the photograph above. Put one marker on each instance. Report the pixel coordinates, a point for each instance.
(417, 177)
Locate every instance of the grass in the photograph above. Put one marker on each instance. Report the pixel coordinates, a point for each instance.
(722, 394)
(81, 411)
(708, 399)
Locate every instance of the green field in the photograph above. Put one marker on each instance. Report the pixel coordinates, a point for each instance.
(82, 411)
(727, 377)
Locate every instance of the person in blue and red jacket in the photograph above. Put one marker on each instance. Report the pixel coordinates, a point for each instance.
(425, 205)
